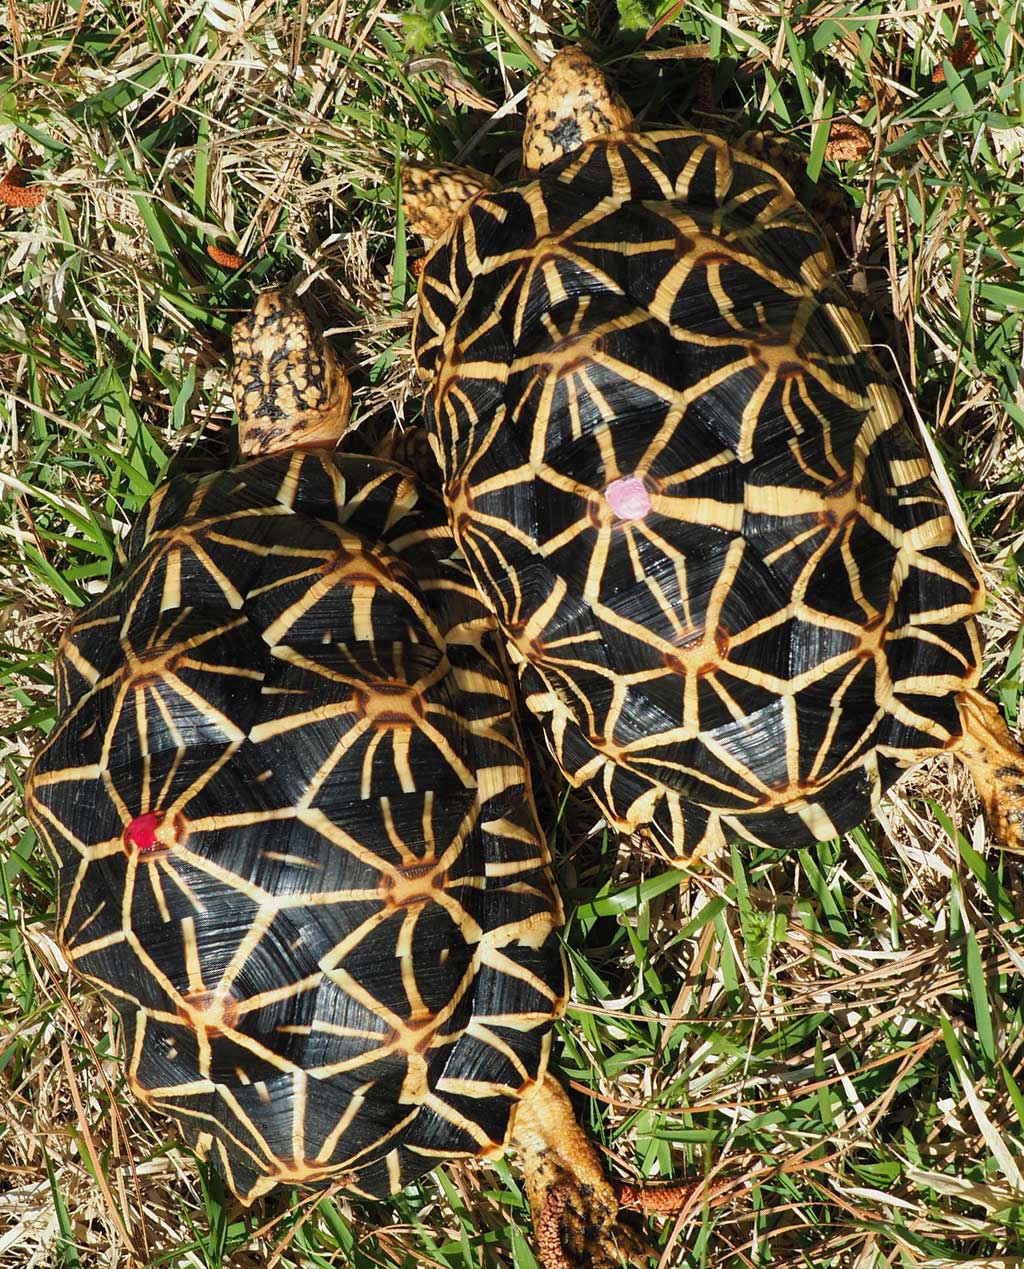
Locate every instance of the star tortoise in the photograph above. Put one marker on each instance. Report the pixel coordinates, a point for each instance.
(681, 480)
(295, 841)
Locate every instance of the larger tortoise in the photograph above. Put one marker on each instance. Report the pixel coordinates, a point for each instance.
(682, 481)
(292, 823)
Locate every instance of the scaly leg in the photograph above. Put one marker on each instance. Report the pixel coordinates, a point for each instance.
(432, 197)
(575, 1208)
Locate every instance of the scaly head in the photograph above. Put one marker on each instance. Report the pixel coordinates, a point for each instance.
(289, 387)
(568, 105)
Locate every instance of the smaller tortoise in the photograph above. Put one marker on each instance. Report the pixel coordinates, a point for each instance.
(292, 823)
(681, 480)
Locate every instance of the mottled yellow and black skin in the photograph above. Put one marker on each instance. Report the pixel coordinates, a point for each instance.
(570, 104)
(290, 389)
(731, 586)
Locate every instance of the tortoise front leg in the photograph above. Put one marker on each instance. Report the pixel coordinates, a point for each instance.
(996, 762)
(433, 197)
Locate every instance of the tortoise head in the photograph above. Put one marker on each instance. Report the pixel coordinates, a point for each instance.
(569, 104)
(289, 388)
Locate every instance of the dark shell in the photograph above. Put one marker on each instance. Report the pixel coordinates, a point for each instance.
(292, 822)
(733, 591)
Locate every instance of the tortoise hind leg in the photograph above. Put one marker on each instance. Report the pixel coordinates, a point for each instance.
(996, 762)
(575, 1208)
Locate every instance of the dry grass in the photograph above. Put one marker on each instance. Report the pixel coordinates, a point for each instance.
(833, 1038)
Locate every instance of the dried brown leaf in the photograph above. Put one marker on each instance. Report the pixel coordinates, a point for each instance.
(847, 141)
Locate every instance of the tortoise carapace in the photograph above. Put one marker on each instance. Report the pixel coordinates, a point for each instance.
(732, 589)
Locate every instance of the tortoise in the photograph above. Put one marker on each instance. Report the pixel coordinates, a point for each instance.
(293, 829)
(731, 587)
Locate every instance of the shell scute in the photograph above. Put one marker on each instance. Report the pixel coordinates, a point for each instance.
(492, 227)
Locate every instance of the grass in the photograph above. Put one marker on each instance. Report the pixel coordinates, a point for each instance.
(830, 1043)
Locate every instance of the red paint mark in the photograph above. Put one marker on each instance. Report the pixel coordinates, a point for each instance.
(141, 832)
(148, 834)
(628, 498)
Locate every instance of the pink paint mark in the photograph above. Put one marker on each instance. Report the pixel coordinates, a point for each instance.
(628, 498)
(141, 835)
